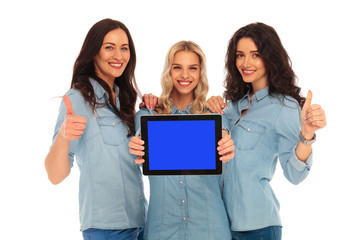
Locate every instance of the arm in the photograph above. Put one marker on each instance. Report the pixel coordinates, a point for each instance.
(295, 157)
(57, 162)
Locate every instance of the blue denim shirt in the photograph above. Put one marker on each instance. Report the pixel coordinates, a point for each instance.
(111, 189)
(267, 132)
(185, 207)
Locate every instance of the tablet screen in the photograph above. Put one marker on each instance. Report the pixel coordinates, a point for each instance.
(181, 144)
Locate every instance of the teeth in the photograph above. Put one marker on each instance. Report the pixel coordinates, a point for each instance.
(116, 64)
(247, 71)
(184, 83)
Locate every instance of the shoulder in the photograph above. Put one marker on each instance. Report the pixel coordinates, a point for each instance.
(74, 95)
(77, 101)
(144, 112)
(289, 111)
(232, 106)
(285, 103)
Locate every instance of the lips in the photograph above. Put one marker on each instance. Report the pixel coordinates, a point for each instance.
(184, 83)
(116, 65)
(248, 72)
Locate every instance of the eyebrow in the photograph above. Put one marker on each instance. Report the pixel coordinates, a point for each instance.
(189, 65)
(254, 51)
(125, 44)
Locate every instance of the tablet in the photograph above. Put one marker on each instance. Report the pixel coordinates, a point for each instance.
(181, 144)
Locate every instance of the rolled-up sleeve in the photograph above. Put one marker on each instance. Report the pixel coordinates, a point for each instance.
(288, 129)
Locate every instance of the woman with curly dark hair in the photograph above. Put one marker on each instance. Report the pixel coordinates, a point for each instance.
(94, 124)
(268, 120)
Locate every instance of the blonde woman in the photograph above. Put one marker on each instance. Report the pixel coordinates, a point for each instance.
(184, 207)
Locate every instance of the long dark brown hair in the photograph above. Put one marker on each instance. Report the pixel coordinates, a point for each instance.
(281, 77)
(84, 69)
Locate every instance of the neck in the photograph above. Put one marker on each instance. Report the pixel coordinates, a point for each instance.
(258, 88)
(181, 101)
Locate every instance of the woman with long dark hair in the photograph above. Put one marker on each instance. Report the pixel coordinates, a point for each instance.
(269, 121)
(94, 124)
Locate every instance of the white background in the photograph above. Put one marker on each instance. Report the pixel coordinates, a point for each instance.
(41, 39)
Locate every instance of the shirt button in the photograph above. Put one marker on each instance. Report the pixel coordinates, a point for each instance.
(248, 129)
(181, 182)
(184, 218)
(140, 181)
(113, 124)
(141, 198)
(183, 201)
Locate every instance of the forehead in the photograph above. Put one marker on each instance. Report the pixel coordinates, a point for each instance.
(246, 44)
(117, 36)
(186, 57)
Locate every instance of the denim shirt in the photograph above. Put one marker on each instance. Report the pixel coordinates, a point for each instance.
(185, 207)
(267, 132)
(111, 189)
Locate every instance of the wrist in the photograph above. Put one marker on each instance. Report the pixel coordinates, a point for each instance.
(308, 138)
(62, 136)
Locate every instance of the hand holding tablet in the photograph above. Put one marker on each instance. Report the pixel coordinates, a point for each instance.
(182, 145)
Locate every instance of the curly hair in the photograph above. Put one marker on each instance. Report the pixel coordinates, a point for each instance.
(281, 77)
(84, 69)
(201, 90)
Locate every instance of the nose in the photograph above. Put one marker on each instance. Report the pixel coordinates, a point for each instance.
(247, 62)
(184, 74)
(118, 55)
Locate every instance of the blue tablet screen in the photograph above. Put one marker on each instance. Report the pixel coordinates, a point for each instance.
(181, 145)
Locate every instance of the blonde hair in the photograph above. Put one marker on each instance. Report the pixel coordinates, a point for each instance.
(200, 91)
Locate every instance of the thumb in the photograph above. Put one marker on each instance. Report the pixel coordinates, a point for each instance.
(308, 100)
(69, 108)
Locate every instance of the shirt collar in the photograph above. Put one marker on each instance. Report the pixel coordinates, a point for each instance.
(100, 91)
(259, 95)
(176, 110)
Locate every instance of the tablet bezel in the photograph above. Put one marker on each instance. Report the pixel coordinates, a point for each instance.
(191, 117)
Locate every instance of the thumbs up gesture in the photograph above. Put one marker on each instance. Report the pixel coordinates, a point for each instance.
(74, 125)
(312, 118)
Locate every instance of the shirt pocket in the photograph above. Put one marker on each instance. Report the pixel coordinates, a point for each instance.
(247, 134)
(113, 130)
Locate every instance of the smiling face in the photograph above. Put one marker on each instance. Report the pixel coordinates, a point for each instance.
(113, 56)
(250, 64)
(185, 75)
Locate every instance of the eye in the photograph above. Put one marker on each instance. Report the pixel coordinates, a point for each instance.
(193, 68)
(256, 55)
(176, 67)
(124, 48)
(109, 47)
(240, 55)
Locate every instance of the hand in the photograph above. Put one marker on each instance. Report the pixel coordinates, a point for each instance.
(226, 148)
(136, 148)
(73, 126)
(150, 101)
(312, 118)
(216, 104)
